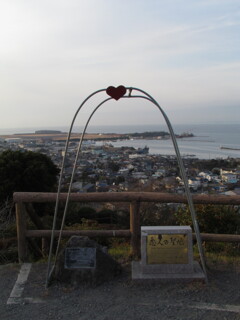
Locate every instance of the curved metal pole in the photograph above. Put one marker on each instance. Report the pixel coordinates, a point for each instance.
(184, 177)
(73, 173)
(60, 181)
(74, 170)
(49, 272)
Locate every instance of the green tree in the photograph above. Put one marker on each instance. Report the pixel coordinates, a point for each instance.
(26, 171)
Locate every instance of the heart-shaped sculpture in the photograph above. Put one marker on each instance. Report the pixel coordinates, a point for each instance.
(116, 93)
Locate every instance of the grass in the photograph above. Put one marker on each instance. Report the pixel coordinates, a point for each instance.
(120, 250)
(218, 258)
(120, 253)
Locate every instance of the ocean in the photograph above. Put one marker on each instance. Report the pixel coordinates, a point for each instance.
(206, 143)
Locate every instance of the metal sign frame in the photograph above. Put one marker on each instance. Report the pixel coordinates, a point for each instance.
(80, 258)
(117, 93)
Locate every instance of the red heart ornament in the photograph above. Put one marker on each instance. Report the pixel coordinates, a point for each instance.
(116, 93)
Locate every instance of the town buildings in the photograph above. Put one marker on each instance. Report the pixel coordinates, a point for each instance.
(104, 168)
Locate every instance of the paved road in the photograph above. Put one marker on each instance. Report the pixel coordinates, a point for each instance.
(118, 299)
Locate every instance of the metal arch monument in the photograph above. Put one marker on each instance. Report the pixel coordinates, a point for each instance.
(120, 92)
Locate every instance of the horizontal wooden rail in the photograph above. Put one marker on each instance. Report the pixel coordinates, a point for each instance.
(30, 197)
(88, 233)
(210, 237)
(6, 242)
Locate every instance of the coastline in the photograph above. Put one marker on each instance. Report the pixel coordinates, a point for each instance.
(205, 144)
(62, 136)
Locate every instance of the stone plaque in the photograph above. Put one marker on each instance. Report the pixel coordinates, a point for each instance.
(166, 253)
(79, 258)
(167, 249)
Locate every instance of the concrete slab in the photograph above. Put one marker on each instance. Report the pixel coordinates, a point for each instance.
(138, 274)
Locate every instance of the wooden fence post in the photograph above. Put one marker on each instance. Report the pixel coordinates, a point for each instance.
(40, 226)
(21, 232)
(135, 228)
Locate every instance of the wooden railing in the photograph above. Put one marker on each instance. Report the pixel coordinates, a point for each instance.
(23, 201)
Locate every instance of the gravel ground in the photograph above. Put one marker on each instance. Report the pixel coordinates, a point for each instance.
(123, 299)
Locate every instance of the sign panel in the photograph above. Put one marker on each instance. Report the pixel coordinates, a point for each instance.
(76, 258)
(167, 249)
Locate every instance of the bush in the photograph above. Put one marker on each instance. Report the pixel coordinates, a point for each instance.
(152, 214)
(76, 214)
(212, 218)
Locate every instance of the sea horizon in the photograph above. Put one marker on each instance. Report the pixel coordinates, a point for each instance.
(121, 128)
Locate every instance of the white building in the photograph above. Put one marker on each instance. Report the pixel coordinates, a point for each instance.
(14, 140)
(229, 177)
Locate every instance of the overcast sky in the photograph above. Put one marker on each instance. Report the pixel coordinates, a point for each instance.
(53, 54)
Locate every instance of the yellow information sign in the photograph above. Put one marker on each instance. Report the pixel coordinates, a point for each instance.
(167, 249)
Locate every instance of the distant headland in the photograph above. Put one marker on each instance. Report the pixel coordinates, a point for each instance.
(48, 132)
(58, 135)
